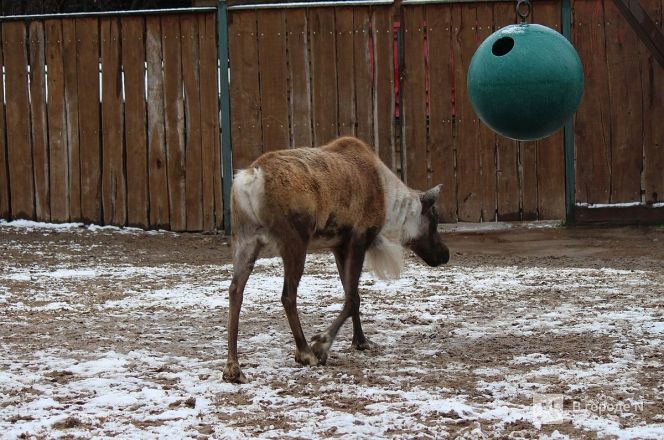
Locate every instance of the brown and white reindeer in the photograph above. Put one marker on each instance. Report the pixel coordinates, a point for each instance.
(339, 196)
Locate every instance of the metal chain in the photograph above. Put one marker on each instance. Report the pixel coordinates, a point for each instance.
(523, 9)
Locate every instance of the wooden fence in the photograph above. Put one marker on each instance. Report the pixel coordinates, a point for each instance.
(137, 142)
(111, 121)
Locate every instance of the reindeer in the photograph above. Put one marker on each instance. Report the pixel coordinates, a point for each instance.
(339, 196)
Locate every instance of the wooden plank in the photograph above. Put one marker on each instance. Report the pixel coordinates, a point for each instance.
(363, 58)
(174, 121)
(414, 99)
(38, 120)
(507, 159)
(652, 78)
(528, 179)
(192, 115)
(345, 71)
(157, 174)
(87, 38)
(620, 215)
(299, 72)
(57, 123)
(550, 151)
(274, 79)
(441, 85)
(4, 165)
(246, 130)
(383, 38)
(485, 136)
(113, 188)
(627, 117)
(323, 74)
(213, 203)
(71, 107)
(19, 144)
(133, 62)
(645, 28)
(469, 191)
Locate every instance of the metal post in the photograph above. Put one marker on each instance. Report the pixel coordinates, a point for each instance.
(225, 110)
(568, 130)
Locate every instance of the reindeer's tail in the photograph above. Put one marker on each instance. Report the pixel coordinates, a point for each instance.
(385, 258)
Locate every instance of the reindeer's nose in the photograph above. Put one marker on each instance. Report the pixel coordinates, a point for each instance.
(444, 255)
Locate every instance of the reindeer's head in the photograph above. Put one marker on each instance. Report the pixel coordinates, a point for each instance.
(427, 243)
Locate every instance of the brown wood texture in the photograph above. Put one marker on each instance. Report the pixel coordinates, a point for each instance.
(72, 117)
(273, 79)
(384, 127)
(618, 215)
(174, 120)
(507, 159)
(213, 206)
(441, 133)
(157, 163)
(345, 71)
(38, 119)
(19, 142)
(87, 49)
(246, 131)
(469, 190)
(414, 99)
(323, 71)
(550, 150)
(113, 186)
(133, 64)
(301, 134)
(624, 67)
(192, 115)
(57, 123)
(363, 55)
(5, 211)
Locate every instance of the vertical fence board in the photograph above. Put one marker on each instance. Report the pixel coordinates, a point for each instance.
(72, 120)
(528, 179)
(5, 210)
(174, 120)
(192, 112)
(414, 99)
(87, 39)
(274, 79)
(384, 86)
(299, 71)
(550, 150)
(38, 121)
(157, 164)
(133, 62)
(469, 190)
(507, 171)
(213, 207)
(441, 133)
(57, 123)
(323, 69)
(626, 106)
(19, 145)
(245, 89)
(113, 188)
(345, 71)
(363, 58)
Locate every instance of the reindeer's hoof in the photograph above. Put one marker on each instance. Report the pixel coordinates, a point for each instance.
(364, 345)
(320, 346)
(233, 374)
(306, 357)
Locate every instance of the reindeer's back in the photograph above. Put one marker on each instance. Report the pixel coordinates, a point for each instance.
(322, 190)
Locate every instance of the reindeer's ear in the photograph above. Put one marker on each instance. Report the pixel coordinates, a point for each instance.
(430, 197)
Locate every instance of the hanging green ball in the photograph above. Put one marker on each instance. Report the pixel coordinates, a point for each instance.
(525, 81)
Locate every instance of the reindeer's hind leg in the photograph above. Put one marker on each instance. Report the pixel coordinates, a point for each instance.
(244, 257)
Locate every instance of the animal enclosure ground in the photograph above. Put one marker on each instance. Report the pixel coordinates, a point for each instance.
(106, 332)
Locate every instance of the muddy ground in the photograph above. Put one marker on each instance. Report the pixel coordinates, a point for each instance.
(107, 332)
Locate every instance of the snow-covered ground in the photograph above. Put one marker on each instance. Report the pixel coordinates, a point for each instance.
(112, 345)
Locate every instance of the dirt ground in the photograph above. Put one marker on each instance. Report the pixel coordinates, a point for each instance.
(107, 332)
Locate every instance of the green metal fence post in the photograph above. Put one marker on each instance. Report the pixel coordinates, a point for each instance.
(568, 130)
(225, 111)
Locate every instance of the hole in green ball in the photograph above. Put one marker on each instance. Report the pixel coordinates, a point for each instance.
(502, 46)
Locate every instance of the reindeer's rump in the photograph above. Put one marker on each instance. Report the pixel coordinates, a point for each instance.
(322, 190)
